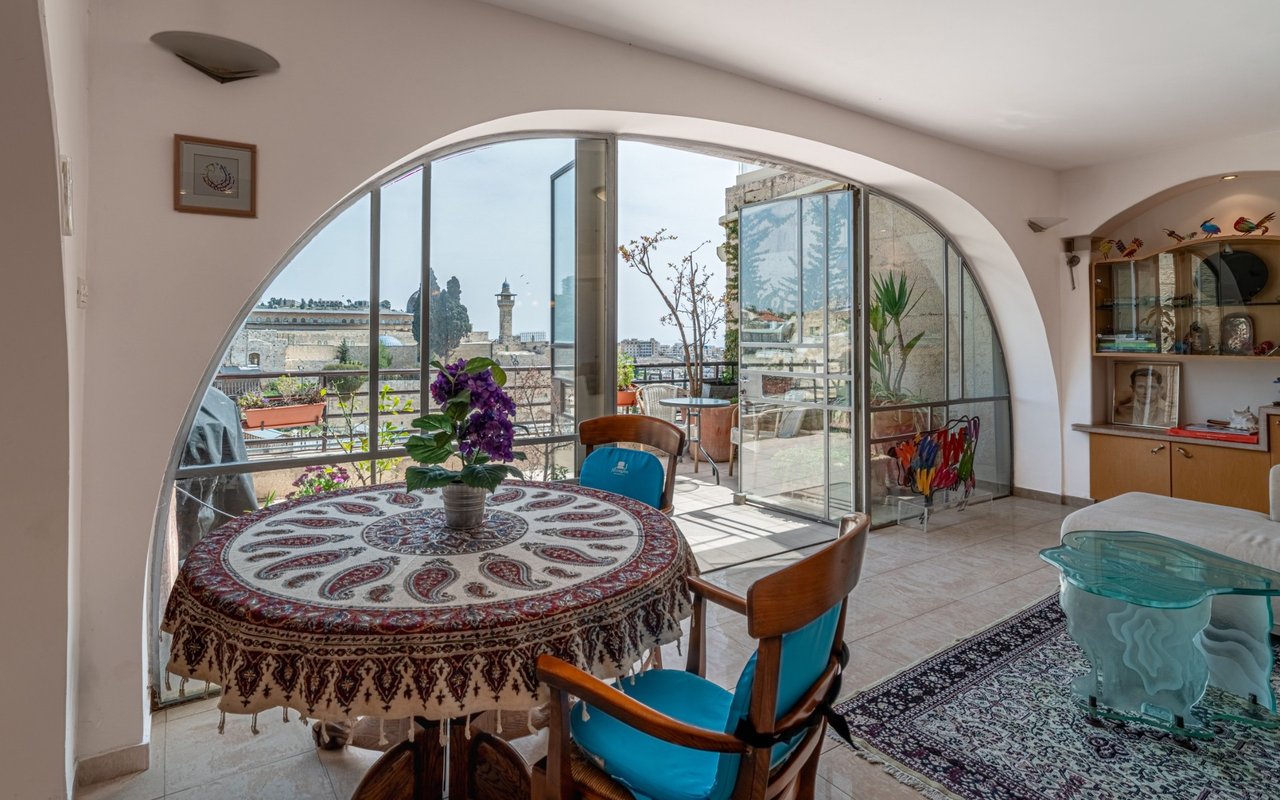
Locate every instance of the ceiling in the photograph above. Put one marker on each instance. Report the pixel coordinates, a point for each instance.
(1059, 84)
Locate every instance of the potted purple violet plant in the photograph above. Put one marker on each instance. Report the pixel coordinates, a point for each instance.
(474, 426)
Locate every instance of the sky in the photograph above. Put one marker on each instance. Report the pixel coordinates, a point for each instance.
(491, 222)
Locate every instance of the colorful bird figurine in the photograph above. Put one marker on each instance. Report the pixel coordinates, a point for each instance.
(1105, 248)
(1209, 228)
(1131, 249)
(1174, 235)
(1247, 226)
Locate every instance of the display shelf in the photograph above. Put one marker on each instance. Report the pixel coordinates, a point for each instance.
(1207, 298)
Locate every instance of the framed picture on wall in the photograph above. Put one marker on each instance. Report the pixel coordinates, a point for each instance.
(212, 176)
(1145, 393)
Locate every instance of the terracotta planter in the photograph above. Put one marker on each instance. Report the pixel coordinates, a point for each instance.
(885, 424)
(626, 397)
(283, 416)
(714, 428)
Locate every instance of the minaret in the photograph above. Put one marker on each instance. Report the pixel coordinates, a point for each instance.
(506, 302)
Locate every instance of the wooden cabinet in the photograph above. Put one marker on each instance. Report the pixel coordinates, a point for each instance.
(1221, 475)
(1119, 464)
(1228, 476)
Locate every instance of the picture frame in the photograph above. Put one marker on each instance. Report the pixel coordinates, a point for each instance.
(1145, 394)
(215, 176)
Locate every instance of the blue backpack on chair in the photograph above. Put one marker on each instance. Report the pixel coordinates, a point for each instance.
(621, 470)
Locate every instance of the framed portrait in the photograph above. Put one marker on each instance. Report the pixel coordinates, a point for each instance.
(212, 176)
(1145, 393)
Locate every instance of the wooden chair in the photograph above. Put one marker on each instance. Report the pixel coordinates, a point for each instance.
(638, 429)
(762, 741)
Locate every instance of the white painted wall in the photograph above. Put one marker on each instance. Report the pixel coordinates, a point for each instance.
(67, 24)
(362, 86)
(34, 544)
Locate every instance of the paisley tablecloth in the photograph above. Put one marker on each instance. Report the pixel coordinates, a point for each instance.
(362, 603)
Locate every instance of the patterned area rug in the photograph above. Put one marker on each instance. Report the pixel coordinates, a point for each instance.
(993, 717)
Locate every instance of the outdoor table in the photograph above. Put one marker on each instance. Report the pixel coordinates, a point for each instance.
(692, 407)
(362, 603)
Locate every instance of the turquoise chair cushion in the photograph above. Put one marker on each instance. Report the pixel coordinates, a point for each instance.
(630, 756)
(631, 473)
(651, 768)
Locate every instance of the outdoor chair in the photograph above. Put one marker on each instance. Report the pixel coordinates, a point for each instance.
(668, 734)
(633, 473)
(649, 396)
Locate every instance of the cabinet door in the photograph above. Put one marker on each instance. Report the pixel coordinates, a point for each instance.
(1221, 475)
(1119, 464)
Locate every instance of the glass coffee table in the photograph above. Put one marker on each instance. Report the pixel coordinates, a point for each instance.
(1161, 621)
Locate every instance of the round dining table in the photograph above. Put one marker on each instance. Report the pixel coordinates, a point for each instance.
(362, 603)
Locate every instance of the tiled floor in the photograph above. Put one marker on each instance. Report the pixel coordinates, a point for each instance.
(919, 592)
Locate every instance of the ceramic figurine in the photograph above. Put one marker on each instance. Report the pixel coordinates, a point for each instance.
(1196, 341)
(1174, 235)
(1242, 419)
(1131, 249)
(1209, 228)
(1247, 226)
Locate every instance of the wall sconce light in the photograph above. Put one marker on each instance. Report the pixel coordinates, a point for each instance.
(1229, 177)
(1042, 224)
(225, 60)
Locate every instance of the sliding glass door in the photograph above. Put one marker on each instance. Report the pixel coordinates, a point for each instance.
(797, 369)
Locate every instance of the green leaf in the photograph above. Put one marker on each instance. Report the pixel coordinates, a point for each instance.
(439, 367)
(462, 398)
(911, 345)
(426, 452)
(480, 364)
(428, 477)
(519, 456)
(487, 476)
(433, 422)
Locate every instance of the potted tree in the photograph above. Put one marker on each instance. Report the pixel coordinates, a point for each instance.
(626, 380)
(287, 403)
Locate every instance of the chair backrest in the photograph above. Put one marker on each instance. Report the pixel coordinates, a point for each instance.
(631, 473)
(797, 615)
(791, 419)
(638, 429)
(650, 395)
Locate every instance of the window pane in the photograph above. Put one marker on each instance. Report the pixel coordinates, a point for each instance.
(400, 259)
(813, 244)
(840, 282)
(984, 372)
(907, 306)
(770, 284)
(502, 251)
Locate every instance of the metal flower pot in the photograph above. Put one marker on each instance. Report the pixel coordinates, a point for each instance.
(464, 505)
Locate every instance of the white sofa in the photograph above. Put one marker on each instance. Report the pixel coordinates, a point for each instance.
(1248, 536)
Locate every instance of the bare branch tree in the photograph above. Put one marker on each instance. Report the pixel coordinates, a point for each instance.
(692, 308)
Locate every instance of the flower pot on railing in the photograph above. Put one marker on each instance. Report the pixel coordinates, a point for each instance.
(626, 397)
(283, 416)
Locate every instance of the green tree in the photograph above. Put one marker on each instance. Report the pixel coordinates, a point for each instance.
(449, 320)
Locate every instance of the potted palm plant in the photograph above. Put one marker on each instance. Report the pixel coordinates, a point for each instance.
(474, 430)
(892, 300)
(626, 380)
(287, 403)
